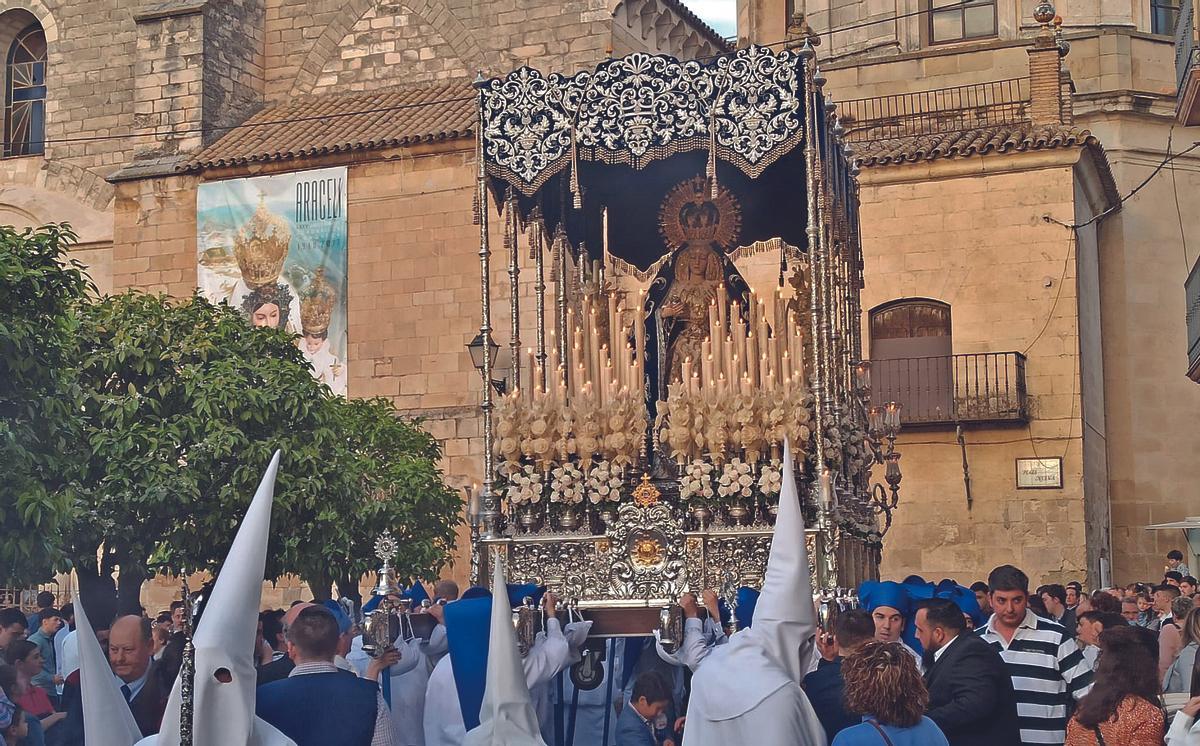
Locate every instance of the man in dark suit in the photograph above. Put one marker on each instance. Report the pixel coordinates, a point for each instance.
(318, 704)
(970, 692)
(130, 646)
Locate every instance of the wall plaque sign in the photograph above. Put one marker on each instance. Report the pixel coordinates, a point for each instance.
(1039, 473)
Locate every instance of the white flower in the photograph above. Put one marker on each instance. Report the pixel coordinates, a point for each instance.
(696, 481)
(525, 486)
(603, 483)
(770, 479)
(567, 484)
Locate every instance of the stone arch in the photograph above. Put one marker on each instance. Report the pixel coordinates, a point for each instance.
(39, 12)
(60, 177)
(30, 205)
(433, 12)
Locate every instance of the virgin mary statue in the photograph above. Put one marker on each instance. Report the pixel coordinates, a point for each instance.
(698, 230)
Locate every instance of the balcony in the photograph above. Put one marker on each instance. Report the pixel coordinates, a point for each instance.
(944, 110)
(954, 389)
(1187, 67)
(1192, 293)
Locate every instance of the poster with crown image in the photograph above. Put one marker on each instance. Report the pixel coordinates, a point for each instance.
(274, 247)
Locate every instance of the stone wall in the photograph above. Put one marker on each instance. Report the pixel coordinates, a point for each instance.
(306, 43)
(389, 42)
(234, 75)
(978, 243)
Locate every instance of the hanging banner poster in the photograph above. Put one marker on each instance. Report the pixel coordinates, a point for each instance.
(274, 247)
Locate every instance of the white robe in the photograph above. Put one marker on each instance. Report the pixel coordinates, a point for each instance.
(699, 639)
(443, 717)
(408, 682)
(327, 368)
(741, 695)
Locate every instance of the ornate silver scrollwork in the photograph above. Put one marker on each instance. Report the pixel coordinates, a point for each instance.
(647, 552)
(644, 107)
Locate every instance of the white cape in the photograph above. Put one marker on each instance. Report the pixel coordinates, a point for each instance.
(748, 691)
(443, 717)
(768, 708)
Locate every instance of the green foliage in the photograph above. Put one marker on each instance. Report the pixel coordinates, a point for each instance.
(39, 288)
(184, 404)
(381, 474)
(141, 425)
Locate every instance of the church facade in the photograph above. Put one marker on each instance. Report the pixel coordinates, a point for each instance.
(1051, 343)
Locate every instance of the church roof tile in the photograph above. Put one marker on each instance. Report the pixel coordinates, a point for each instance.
(321, 125)
(1004, 138)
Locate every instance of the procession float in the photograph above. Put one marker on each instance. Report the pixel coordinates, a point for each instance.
(692, 227)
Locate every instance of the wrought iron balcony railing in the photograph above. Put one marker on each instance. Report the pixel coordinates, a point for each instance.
(951, 389)
(1185, 42)
(1192, 293)
(937, 111)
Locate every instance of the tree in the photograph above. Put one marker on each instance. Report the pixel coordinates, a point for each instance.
(39, 289)
(183, 405)
(385, 477)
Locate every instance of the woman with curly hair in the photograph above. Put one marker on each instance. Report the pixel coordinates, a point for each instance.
(1123, 707)
(883, 685)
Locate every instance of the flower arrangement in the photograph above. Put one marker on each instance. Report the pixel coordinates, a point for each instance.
(770, 478)
(566, 484)
(859, 455)
(736, 481)
(524, 486)
(832, 441)
(696, 483)
(604, 483)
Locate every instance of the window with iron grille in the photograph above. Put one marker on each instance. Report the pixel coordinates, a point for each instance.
(25, 94)
(1164, 16)
(955, 20)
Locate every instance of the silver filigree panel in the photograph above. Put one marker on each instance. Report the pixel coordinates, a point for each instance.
(642, 108)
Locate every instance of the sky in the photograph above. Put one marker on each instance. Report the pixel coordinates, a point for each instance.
(720, 14)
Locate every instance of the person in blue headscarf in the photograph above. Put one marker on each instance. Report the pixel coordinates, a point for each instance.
(455, 691)
(964, 598)
(891, 607)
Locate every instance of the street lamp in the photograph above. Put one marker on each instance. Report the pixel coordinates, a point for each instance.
(475, 347)
(885, 426)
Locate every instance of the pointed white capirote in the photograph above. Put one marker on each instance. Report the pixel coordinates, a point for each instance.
(224, 683)
(107, 720)
(784, 616)
(506, 717)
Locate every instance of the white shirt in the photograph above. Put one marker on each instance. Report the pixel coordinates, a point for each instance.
(135, 686)
(937, 654)
(1185, 731)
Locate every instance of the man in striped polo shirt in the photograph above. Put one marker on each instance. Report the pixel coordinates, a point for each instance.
(1048, 670)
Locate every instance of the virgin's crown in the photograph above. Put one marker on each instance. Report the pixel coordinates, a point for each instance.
(261, 246)
(316, 304)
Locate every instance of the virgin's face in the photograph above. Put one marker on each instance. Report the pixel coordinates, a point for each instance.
(697, 263)
(266, 315)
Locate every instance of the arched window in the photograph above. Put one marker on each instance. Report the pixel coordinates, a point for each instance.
(912, 319)
(911, 358)
(25, 94)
